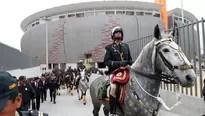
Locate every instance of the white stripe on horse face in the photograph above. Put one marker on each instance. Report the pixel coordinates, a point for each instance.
(82, 75)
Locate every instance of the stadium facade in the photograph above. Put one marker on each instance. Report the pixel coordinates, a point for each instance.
(82, 30)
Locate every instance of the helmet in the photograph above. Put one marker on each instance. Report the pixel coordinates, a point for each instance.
(80, 61)
(116, 29)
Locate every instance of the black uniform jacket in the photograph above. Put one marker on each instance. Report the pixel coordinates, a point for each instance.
(115, 53)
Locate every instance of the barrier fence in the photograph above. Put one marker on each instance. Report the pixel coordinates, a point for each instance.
(192, 42)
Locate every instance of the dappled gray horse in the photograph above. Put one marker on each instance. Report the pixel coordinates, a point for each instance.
(83, 86)
(161, 59)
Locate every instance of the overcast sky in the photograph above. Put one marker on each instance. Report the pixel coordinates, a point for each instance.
(14, 11)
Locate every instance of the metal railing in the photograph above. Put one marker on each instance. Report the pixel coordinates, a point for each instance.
(192, 42)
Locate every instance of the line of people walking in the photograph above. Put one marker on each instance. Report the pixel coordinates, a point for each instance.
(34, 91)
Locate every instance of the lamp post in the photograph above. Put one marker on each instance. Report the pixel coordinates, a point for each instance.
(182, 12)
(46, 20)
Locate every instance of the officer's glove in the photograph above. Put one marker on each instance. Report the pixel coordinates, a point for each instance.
(124, 63)
(120, 63)
(130, 62)
(116, 63)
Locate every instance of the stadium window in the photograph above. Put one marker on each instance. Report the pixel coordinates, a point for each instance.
(55, 66)
(63, 66)
(120, 12)
(148, 13)
(37, 23)
(109, 12)
(176, 18)
(156, 15)
(62, 16)
(130, 13)
(140, 13)
(180, 19)
(71, 15)
(49, 66)
(79, 15)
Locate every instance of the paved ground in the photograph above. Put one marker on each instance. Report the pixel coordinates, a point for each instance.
(68, 105)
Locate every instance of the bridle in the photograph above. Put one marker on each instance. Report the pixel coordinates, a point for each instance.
(166, 62)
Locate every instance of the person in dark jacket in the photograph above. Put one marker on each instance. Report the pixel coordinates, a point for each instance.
(38, 88)
(116, 54)
(53, 86)
(27, 91)
(44, 89)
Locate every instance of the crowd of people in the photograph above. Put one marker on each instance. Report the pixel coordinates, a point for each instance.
(16, 95)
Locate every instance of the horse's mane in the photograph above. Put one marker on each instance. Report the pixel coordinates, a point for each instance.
(145, 57)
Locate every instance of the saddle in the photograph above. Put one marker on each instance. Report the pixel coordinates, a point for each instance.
(121, 77)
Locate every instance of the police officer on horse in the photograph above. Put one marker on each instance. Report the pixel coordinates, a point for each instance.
(117, 55)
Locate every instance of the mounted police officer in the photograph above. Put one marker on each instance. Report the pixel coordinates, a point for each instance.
(10, 98)
(81, 66)
(117, 54)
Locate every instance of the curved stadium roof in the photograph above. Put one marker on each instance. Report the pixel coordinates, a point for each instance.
(89, 6)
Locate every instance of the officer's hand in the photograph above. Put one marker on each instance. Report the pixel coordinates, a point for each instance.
(123, 63)
(130, 62)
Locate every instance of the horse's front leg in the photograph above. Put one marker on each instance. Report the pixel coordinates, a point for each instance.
(78, 94)
(84, 97)
(71, 87)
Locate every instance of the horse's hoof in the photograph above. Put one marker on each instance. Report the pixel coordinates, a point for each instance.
(79, 99)
(84, 103)
(71, 94)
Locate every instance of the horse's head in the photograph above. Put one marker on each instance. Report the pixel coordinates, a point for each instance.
(83, 81)
(169, 58)
(82, 74)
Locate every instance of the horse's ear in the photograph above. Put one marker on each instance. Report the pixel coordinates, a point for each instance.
(157, 33)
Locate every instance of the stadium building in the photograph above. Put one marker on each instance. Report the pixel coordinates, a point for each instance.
(81, 31)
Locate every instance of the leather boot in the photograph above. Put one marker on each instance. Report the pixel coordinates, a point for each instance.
(112, 105)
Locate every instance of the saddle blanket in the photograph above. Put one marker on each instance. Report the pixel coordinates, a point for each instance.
(120, 76)
(121, 96)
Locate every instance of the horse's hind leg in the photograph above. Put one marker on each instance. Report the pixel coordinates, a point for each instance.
(106, 111)
(96, 109)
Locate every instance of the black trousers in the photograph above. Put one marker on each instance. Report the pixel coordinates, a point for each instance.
(38, 97)
(53, 95)
(24, 106)
(33, 105)
(43, 95)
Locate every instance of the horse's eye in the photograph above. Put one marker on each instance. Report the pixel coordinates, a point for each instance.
(166, 50)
